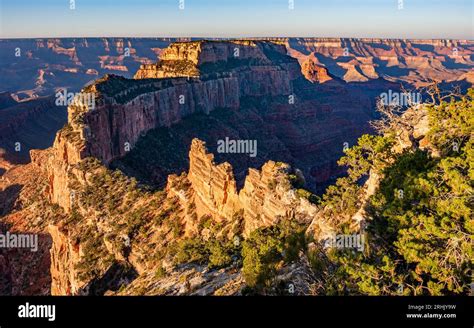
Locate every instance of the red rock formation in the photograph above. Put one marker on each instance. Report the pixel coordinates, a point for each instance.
(214, 185)
(69, 62)
(266, 198)
(183, 59)
(125, 109)
(64, 256)
(315, 73)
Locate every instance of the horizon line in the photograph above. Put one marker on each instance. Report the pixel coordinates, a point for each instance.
(231, 38)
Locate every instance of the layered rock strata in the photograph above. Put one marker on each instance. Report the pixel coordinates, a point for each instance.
(122, 110)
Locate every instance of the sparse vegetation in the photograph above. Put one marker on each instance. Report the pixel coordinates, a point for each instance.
(268, 248)
(420, 234)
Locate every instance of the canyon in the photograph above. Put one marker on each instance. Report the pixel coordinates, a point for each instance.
(48, 64)
(36, 68)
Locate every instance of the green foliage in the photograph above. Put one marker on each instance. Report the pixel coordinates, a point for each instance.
(176, 228)
(267, 247)
(220, 253)
(192, 250)
(303, 193)
(420, 237)
(205, 222)
(262, 252)
(160, 272)
(297, 181)
(370, 153)
(215, 253)
(96, 259)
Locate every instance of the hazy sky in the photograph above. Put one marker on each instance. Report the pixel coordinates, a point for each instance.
(238, 18)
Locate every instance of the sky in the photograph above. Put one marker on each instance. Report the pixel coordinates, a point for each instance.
(423, 19)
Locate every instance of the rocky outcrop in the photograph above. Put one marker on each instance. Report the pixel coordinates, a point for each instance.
(184, 59)
(66, 151)
(417, 62)
(107, 119)
(314, 72)
(294, 121)
(412, 133)
(202, 52)
(266, 198)
(114, 112)
(207, 190)
(352, 74)
(64, 256)
(69, 62)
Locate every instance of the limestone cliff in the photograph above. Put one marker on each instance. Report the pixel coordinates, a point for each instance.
(70, 62)
(88, 247)
(184, 59)
(114, 112)
(64, 256)
(125, 109)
